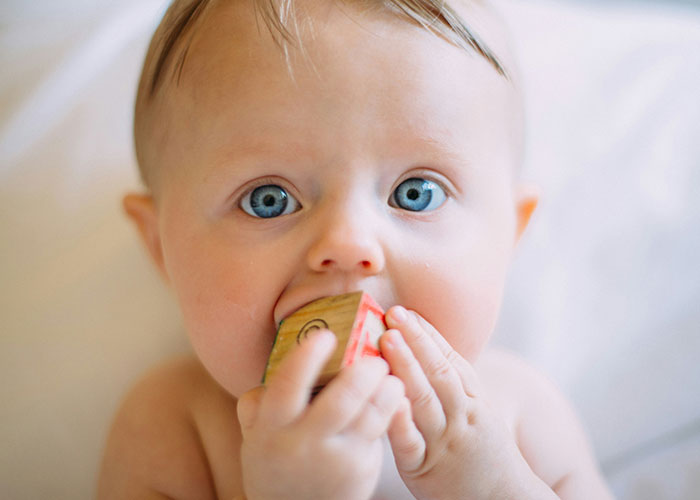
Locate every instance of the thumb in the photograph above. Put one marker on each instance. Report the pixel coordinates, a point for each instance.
(248, 405)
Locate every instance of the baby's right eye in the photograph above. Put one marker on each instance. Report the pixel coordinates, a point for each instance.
(269, 201)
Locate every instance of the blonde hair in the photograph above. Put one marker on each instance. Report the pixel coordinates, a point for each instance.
(181, 18)
(436, 16)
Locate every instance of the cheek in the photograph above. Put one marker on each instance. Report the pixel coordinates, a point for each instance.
(458, 288)
(227, 296)
(462, 307)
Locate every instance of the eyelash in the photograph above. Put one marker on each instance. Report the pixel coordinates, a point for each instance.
(248, 204)
(254, 208)
(427, 180)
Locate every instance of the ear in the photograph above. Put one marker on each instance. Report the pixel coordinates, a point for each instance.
(141, 209)
(527, 196)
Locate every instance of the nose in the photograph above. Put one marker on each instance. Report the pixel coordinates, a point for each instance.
(347, 243)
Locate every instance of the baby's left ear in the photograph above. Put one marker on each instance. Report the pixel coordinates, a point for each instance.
(527, 196)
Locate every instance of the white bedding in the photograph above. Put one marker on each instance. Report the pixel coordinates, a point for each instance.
(604, 295)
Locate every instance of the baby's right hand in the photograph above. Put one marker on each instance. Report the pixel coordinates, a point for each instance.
(330, 448)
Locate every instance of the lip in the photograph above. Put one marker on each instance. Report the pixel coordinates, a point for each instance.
(293, 300)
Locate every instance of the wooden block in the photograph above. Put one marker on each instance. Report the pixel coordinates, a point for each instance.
(355, 319)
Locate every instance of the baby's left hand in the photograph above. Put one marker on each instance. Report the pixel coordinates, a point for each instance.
(447, 442)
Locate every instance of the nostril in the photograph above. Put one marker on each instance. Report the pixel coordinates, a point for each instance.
(326, 262)
(366, 264)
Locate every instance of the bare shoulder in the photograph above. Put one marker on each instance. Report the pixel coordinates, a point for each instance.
(160, 442)
(547, 430)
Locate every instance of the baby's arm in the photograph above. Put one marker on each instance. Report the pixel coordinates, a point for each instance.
(548, 432)
(155, 448)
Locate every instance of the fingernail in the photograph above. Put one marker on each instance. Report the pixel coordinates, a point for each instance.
(394, 339)
(399, 314)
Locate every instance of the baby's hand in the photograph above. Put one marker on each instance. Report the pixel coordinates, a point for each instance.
(329, 448)
(447, 443)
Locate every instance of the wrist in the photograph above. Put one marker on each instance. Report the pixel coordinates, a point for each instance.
(523, 484)
(527, 488)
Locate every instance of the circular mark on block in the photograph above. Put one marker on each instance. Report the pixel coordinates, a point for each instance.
(314, 324)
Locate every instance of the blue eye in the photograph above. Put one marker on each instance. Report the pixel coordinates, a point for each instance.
(418, 195)
(269, 201)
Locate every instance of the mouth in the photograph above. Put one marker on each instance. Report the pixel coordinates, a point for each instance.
(293, 300)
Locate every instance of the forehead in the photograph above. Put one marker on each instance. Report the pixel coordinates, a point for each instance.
(232, 55)
(281, 17)
(370, 65)
(299, 20)
(243, 25)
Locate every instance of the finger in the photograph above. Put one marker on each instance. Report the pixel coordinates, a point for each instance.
(427, 410)
(407, 443)
(373, 421)
(247, 407)
(441, 375)
(342, 400)
(466, 371)
(287, 393)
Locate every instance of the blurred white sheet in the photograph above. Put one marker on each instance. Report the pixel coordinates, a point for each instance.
(603, 296)
(606, 288)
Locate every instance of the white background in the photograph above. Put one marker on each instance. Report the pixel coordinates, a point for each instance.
(603, 296)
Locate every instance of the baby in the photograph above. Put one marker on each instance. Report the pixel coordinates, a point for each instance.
(295, 150)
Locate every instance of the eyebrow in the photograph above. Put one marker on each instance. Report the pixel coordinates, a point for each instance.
(426, 146)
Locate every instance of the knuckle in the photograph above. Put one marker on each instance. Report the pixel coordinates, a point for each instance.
(422, 398)
(395, 384)
(389, 395)
(380, 365)
(413, 324)
(351, 393)
(370, 368)
(477, 407)
(376, 408)
(376, 419)
(454, 358)
(411, 447)
(467, 416)
(462, 422)
(439, 368)
(421, 323)
(284, 381)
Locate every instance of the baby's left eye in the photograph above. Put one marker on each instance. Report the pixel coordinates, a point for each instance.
(418, 195)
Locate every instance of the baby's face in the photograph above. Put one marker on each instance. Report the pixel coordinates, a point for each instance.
(385, 164)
